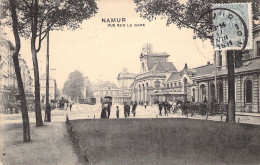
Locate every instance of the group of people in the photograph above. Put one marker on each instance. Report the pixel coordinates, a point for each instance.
(127, 108)
(166, 106)
(106, 110)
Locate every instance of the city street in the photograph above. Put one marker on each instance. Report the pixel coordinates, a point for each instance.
(42, 138)
(85, 111)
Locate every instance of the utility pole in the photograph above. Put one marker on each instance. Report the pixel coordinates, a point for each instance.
(47, 71)
(48, 107)
(215, 63)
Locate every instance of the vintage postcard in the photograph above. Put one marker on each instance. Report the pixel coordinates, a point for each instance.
(153, 82)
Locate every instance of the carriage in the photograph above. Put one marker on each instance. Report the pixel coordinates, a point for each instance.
(200, 108)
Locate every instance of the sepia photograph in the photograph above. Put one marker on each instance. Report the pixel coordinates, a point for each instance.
(129, 82)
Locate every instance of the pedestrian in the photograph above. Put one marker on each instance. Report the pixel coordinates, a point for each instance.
(133, 110)
(160, 109)
(117, 112)
(128, 110)
(145, 105)
(48, 113)
(108, 110)
(70, 106)
(125, 110)
(165, 109)
(103, 112)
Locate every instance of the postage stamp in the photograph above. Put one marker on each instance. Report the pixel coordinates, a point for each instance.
(233, 26)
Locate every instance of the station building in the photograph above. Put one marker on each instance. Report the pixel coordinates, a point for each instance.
(159, 80)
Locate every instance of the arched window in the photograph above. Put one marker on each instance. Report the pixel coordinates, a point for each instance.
(202, 92)
(248, 91)
(185, 83)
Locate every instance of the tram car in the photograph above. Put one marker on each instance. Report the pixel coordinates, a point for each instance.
(107, 100)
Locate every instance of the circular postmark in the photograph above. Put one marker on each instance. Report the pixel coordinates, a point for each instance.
(228, 30)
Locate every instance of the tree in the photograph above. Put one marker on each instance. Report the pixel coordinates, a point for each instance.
(57, 93)
(186, 16)
(75, 85)
(10, 8)
(35, 20)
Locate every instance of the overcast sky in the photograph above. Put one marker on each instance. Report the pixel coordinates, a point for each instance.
(100, 52)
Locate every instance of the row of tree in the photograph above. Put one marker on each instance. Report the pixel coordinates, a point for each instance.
(33, 19)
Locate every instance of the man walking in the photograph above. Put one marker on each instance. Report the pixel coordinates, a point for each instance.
(117, 112)
(108, 110)
(48, 113)
(160, 109)
(70, 106)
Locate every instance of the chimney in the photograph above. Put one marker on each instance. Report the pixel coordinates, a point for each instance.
(186, 66)
(208, 63)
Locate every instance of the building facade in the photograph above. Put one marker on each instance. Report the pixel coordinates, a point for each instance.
(125, 84)
(8, 83)
(247, 79)
(102, 89)
(52, 89)
(159, 80)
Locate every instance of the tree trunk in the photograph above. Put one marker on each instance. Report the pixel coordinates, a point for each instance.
(25, 117)
(231, 86)
(38, 112)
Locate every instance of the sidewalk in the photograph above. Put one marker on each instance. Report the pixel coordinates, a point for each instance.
(248, 114)
(50, 144)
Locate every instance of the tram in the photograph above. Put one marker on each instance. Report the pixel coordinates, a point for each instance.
(107, 100)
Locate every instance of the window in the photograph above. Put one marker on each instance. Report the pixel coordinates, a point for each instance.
(168, 85)
(175, 84)
(171, 84)
(202, 92)
(248, 91)
(193, 95)
(258, 48)
(220, 60)
(179, 83)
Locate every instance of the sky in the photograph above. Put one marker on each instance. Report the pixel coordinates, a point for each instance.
(101, 52)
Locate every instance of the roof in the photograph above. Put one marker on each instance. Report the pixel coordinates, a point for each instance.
(202, 70)
(107, 84)
(164, 67)
(132, 85)
(9, 43)
(174, 76)
(126, 75)
(247, 66)
(158, 54)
